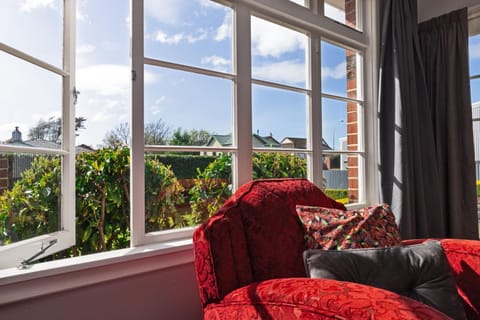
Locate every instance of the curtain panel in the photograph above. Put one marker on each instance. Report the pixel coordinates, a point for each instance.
(444, 44)
(413, 177)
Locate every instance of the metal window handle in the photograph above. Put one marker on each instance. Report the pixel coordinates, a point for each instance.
(27, 263)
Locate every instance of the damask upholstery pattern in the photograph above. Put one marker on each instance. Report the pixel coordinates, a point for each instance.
(249, 264)
(464, 258)
(300, 298)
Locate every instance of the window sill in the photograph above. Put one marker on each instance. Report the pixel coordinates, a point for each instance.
(56, 276)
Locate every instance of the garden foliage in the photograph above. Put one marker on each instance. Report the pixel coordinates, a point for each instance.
(31, 207)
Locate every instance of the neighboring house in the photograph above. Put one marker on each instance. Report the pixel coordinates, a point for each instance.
(225, 140)
(12, 167)
(300, 143)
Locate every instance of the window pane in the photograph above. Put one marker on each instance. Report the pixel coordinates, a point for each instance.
(279, 165)
(474, 46)
(304, 3)
(195, 33)
(476, 137)
(184, 189)
(278, 115)
(341, 73)
(344, 11)
(177, 101)
(33, 98)
(278, 53)
(340, 124)
(475, 90)
(29, 196)
(340, 176)
(103, 74)
(38, 28)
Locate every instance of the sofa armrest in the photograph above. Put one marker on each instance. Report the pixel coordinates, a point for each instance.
(304, 298)
(464, 258)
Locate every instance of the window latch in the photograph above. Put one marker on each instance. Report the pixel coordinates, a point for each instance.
(75, 95)
(27, 263)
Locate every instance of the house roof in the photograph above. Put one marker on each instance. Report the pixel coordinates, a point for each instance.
(17, 140)
(301, 143)
(225, 140)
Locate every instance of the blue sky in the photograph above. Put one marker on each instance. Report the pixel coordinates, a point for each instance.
(193, 32)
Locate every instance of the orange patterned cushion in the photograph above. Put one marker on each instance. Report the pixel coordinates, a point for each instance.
(369, 227)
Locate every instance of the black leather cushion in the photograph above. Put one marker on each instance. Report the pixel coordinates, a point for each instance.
(418, 271)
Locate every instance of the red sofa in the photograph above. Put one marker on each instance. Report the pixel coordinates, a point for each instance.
(249, 265)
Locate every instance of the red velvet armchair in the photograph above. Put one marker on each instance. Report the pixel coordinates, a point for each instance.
(249, 264)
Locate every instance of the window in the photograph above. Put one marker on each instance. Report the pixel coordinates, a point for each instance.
(474, 56)
(37, 126)
(181, 104)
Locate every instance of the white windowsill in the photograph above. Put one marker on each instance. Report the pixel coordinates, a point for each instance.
(56, 276)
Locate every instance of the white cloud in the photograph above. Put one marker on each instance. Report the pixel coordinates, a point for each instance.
(272, 40)
(157, 107)
(475, 51)
(162, 37)
(210, 4)
(338, 72)
(167, 11)
(86, 48)
(218, 63)
(286, 71)
(81, 14)
(29, 5)
(225, 30)
(107, 79)
(107, 109)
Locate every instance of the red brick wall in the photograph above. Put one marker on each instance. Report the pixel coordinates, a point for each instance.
(352, 108)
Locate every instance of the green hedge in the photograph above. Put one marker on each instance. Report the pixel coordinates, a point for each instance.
(337, 193)
(184, 166)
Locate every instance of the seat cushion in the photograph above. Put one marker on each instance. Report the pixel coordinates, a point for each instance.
(369, 227)
(317, 299)
(418, 271)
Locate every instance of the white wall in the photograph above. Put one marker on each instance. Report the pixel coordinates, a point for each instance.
(170, 293)
(428, 9)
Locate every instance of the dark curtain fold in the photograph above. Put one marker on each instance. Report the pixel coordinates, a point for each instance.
(408, 168)
(444, 48)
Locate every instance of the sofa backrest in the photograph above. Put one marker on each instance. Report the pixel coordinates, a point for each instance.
(255, 236)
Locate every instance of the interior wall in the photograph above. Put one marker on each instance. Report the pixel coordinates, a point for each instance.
(428, 9)
(167, 294)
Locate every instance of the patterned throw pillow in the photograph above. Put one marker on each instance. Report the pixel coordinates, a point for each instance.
(369, 227)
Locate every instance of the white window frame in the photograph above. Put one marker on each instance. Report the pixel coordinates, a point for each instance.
(287, 13)
(13, 254)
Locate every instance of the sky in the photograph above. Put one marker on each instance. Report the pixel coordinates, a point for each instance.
(192, 32)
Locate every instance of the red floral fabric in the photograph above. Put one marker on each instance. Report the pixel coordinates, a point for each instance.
(369, 227)
(464, 258)
(249, 264)
(255, 236)
(302, 298)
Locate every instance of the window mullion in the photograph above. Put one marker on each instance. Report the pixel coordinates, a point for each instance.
(137, 154)
(68, 131)
(242, 115)
(315, 111)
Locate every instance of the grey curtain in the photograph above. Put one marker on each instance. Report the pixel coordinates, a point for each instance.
(444, 48)
(408, 166)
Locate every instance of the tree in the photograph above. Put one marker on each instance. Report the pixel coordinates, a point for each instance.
(155, 133)
(189, 138)
(118, 136)
(51, 129)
